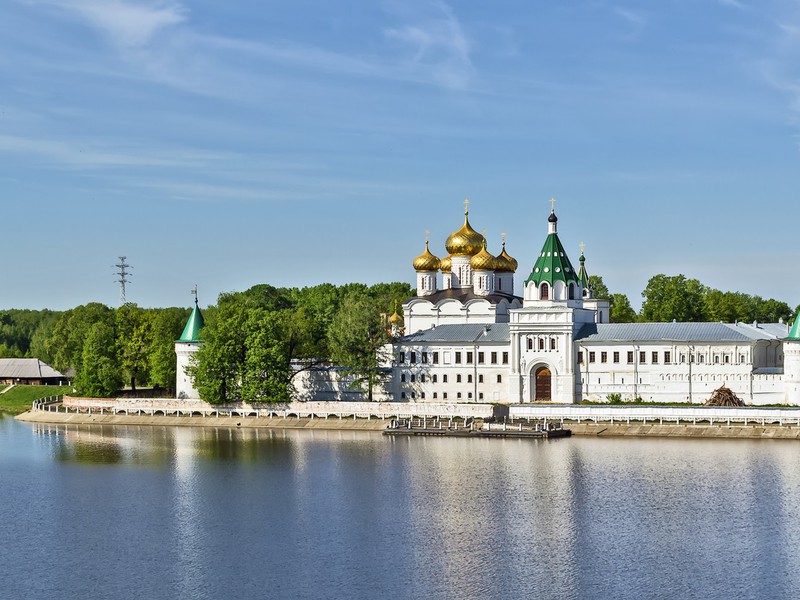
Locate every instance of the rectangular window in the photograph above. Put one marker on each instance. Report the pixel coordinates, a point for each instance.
(446, 358)
(469, 378)
(541, 343)
(401, 358)
(480, 378)
(413, 378)
(604, 357)
(727, 359)
(616, 357)
(458, 395)
(422, 378)
(424, 357)
(580, 357)
(444, 378)
(422, 395)
(435, 378)
(667, 358)
(630, 358)
(481, 358)
(741, 358)
(435, 395)
(403, 395)
(436, 358)
(530, 344)
(683, 358)
(444, 395)
(654, 357)
(469, 358)
(458, 358)
(458, 378)
(552, 343)
(413, 358)
(469, 395)
(494, 358)
(642, 358)
(499, 379)
(701, 358)
(403, 377)
(480, 395)
(591, 357)
(716, 359)
(505, 358)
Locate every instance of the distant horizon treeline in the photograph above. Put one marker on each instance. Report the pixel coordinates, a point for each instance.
(252, 336)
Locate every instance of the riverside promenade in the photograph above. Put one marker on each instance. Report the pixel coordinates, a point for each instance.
(593, 420)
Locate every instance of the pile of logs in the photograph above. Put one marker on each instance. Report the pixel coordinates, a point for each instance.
(724, 397)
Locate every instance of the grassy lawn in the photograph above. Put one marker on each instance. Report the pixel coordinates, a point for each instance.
(19, 399)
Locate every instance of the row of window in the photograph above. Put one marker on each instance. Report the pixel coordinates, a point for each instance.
(422, 357)
(654, 358)
(444, 395)
(542, 344)
(435, 378)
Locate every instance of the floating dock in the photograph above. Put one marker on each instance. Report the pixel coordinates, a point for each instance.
(471, 429)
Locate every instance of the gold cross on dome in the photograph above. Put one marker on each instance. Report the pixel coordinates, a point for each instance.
(552, 204)
(504, 238)
(466, 206)
(583, 247)
(427, 234)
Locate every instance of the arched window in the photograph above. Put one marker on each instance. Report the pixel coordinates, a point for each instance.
(572, 291)
(544, 292)
(530, 343)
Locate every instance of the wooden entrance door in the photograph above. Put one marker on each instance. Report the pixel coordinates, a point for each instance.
(543, 380)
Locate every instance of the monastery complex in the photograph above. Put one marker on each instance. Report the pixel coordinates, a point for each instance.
(470, 337)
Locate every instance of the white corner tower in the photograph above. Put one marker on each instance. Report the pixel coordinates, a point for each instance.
(185, 348)
(791, 364)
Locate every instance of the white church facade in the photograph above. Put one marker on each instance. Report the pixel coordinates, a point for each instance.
(472, 339)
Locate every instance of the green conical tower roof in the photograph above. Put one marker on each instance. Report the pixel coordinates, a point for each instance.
(191, 333)
(794, 332)
(583, 276)
(553, 264)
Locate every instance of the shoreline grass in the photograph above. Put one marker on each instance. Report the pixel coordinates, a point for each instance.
(18, 399)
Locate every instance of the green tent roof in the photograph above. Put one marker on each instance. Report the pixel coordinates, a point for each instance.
(553, 264)
(583, 276)
(794, 332)
(191, 333)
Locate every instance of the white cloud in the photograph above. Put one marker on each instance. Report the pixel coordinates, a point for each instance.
(439, 46)
(128, 24)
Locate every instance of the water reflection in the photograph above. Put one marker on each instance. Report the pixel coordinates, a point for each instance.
(209, 513)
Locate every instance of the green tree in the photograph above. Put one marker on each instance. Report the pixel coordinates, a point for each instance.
(166, 326)
(134, 342)
(99, 374)
(621, 310)
(668, 298)
(65, 342)
(356, 338)
(599, 289)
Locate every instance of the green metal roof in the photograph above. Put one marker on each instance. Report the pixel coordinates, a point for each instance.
(191, 333)
(553, 264)
(794, 332)
(583, 276)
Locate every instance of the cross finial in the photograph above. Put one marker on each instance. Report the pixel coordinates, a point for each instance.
(466, 206)
(503, 235)
(583, 247)
(427, 235)
(194, 293)
(552, 205)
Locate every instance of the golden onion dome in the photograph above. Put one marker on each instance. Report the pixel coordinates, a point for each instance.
(505, 263)
(426, 261)
(483, 261)
(466, 241)
(396, 319)
(446, 264)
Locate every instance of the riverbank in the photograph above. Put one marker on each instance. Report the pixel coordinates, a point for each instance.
(671, 430)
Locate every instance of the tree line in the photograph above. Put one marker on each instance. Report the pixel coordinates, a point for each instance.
(259, 340)
(675, 297)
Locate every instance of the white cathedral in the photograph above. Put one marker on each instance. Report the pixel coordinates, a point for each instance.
(472, 339)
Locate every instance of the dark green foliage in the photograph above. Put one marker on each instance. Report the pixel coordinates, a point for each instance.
(100, 374)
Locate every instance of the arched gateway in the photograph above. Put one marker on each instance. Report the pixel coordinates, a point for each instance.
(542, 385)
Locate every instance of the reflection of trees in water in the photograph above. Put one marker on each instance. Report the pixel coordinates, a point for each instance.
(104, 444)
(248, 445)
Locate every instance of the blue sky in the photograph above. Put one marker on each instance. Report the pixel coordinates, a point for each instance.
(234, 143)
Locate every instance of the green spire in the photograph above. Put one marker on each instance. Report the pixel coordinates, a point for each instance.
(191, 333)
(794, 332)
(553, 264)
(583, 276)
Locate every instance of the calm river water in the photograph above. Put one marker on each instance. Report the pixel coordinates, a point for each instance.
(157, 513)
